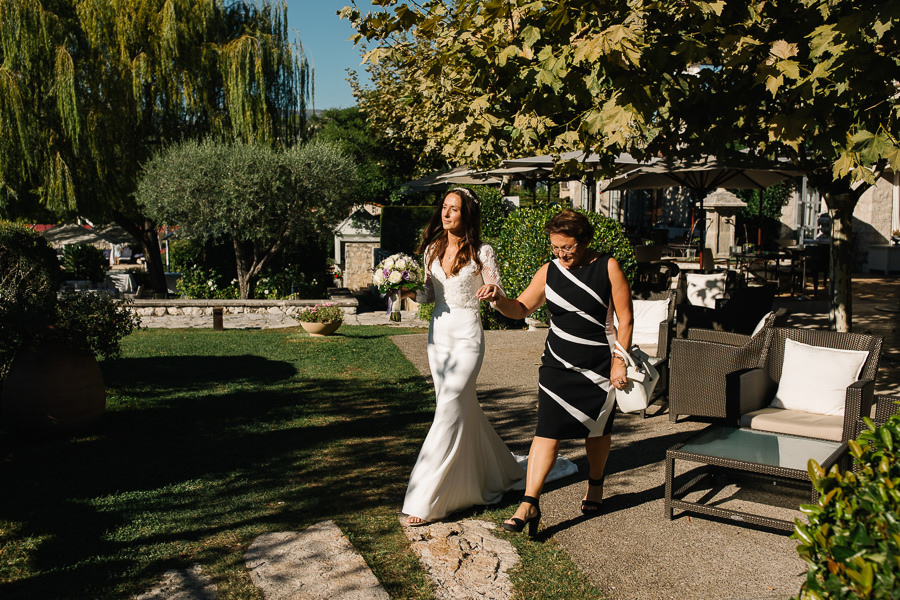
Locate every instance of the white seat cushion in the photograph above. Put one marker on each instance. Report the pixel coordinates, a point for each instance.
(815, 379)
(795, 422)
(648, 314)
(703, 289)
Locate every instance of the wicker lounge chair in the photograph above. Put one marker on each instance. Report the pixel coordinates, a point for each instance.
(738, 383)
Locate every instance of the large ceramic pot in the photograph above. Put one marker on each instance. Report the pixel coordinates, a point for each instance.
(320, 329)
(53, 389)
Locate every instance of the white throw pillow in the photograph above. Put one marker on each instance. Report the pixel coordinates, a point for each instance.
(648, 314)
(704, 288)
(815, 379)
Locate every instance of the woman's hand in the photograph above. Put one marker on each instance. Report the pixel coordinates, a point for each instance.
(489, 292)
(618, 373)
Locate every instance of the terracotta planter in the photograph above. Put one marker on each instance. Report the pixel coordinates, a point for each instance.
(320, 329)
(51, 388)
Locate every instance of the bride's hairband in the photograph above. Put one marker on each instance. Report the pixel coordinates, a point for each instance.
(464, 192)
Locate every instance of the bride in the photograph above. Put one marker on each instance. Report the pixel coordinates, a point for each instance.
(463, 462)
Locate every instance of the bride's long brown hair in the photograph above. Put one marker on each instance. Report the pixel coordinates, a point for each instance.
(435, 237)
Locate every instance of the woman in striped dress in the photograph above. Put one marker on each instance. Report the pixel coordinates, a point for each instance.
(583, 289)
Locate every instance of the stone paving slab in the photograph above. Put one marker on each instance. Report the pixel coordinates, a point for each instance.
(318, 563)
(464, 559)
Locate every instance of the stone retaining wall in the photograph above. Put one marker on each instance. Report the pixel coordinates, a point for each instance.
(180, 307)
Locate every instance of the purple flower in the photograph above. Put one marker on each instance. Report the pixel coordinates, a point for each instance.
(405, 275)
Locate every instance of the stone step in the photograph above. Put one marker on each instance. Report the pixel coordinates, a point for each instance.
(464, 560)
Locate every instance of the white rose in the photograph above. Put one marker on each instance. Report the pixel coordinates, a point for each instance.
(388, 263)
(378, 277)
(396, 277)
(400, 263)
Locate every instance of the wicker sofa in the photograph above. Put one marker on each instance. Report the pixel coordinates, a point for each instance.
(737, 383)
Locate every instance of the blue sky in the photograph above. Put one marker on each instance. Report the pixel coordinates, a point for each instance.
(324, 38)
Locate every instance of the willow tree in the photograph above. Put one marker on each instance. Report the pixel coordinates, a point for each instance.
(90, 89)
(814, 81)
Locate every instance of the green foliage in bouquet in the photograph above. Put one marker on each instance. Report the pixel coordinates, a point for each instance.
(523, 247)
(320, 313)
(84, 262)
(852, 542)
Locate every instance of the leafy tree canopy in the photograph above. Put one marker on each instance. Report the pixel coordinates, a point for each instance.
(383, 163)
(813, 81)
(255, 196)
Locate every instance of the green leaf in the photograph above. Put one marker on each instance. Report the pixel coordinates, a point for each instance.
(773, 83)
(530, 35)
(790, 68)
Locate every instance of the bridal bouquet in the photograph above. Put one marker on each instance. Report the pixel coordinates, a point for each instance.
(397, 271)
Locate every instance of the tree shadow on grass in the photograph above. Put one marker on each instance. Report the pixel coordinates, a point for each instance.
(186, 476)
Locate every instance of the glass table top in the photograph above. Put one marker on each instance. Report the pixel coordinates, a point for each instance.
(761, 447)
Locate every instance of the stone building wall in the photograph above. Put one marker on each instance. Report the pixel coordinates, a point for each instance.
(358, 257)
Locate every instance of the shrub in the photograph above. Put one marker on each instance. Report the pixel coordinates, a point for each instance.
(30, 312)
(85, 262)
(320, 313)
(523, 247)
(493, 211)
(29, 280)
(852, 542)
(402, 227)
(94, 323)
(29, 270)
(202, 284)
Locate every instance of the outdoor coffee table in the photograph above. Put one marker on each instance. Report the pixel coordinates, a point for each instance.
(747, 450)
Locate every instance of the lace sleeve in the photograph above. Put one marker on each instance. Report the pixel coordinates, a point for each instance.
(490, 272)
(427, 294)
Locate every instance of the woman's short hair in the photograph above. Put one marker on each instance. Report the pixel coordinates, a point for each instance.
(571, 223)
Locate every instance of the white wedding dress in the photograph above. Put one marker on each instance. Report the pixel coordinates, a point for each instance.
(463, 462)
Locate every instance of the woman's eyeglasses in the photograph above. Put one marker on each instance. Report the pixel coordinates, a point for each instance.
(559, 250)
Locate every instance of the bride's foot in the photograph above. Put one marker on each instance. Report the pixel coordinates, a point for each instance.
(528, 513)
(415, 521)
(594, 498)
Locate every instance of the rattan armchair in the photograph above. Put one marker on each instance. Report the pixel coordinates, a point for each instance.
(699, 365)
(885, 408)
(731, 382)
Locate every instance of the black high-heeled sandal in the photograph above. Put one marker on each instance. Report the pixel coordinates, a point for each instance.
(590, 507)
(518, 525)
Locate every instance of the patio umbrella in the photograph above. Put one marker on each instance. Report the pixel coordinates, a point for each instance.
(70, 233)
(542, 166)
(448, 179)
(703, 175)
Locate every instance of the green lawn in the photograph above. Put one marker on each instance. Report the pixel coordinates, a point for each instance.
(211, 438)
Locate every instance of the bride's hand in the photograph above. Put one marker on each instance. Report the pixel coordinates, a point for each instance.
(489, 292)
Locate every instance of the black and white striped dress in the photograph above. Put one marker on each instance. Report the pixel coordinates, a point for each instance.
(573, 395)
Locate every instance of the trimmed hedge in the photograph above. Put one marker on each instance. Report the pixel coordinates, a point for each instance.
(852, 542)
(523, 247)
(402, 227)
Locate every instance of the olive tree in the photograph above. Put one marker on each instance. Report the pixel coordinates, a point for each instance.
(250, 194)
